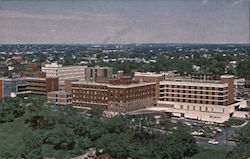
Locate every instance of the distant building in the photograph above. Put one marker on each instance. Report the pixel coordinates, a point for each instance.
(32, 81)
(40, 86)
(18, 58)
(32, 71)
(204, 76)
(118, 95)
(239, 85)
(3, 69)
(64, 73)
(98, 74)
(9, 86)
(60, 98)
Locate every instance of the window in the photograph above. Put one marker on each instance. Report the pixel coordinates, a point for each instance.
(220, 103)
(220, 89)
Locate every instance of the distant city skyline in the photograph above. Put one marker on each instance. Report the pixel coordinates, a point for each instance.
(124, 21)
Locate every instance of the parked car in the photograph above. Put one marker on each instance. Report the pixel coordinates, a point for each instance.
(213, 141)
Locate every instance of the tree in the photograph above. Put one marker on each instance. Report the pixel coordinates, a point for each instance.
(11, 109)
(61, 138)
(117, 124)
(115, 144)
(33, 146)
(83, 143)
(96, 112)
(181, 137)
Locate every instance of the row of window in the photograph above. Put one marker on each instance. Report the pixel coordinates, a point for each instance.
(193, 101)
(193, 87)
(193, 96)
(191, 92)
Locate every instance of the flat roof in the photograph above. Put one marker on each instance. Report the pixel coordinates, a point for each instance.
(146, 74)
(194, 83)
(61, 92)
(114, 85)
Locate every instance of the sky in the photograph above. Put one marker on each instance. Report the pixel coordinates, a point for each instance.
(124, 21)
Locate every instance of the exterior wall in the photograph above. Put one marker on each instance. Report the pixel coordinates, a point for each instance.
(98, 74)
(52, 84)
(64, 73)
(9, 86)
(193, 92)
(204, 112)
(241, 114)
(151, 78)
(89, 94)
(18, 86)
(229, 79)
(131, 106)
(31, 68)
(36, 86)
(41, 86)
(37, 74)
(59, 98)
(120, 98)
(202, 100)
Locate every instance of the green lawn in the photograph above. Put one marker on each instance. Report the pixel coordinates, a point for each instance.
(210, 152)
(11, 137)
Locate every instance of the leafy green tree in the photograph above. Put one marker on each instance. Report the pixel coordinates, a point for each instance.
(83, 143)
(11, 109)
(185, 139)
(117, 124)
(96, 111)
(61, 138)
(115, 144)
(40, 121)
(33, 146)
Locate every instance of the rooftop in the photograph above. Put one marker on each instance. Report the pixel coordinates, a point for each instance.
(152, 74)
(183, 79)
(114, 85)
(59, 92)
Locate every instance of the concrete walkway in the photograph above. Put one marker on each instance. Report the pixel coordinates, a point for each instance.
(242, 125)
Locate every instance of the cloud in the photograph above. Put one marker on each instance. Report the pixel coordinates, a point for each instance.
(204, 2)
(237, 2)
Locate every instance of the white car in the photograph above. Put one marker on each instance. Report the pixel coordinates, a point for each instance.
(195, 133)
(214, 142)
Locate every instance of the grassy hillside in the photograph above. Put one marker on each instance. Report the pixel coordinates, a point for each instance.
(11, 137)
